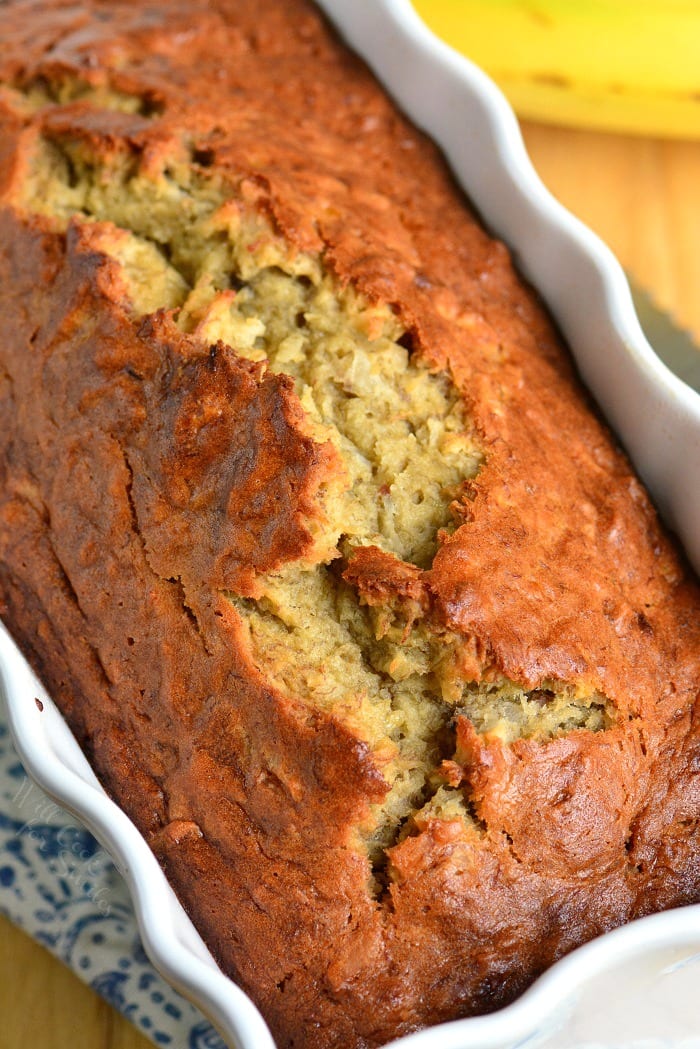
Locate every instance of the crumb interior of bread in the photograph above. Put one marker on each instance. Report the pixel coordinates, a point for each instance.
(407, 449)
(506, 710)
(95, 90)
(403, 438)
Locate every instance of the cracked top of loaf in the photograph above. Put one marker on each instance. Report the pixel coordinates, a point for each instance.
(344, 587)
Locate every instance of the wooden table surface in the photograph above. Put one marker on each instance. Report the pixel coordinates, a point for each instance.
(643, 198)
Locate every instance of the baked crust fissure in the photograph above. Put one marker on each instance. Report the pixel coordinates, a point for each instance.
(404, 451)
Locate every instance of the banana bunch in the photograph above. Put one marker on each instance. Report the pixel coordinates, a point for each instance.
(622, 65)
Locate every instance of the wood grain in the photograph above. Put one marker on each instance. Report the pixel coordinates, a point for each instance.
(642, 196)
(44, 1006)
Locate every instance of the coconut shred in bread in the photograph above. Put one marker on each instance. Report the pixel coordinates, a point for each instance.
(344, 588)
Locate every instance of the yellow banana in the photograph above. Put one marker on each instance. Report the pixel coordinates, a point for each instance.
(623, 65)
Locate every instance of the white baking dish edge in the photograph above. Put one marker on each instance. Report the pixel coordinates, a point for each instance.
(587, 292)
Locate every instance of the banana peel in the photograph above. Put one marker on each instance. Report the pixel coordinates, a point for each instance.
(618, 65)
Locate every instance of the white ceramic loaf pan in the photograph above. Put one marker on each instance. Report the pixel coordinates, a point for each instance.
(633, 987)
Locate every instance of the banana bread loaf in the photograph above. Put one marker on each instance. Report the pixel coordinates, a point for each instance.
(347, 593)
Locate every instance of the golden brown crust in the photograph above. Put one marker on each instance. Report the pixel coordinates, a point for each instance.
(121, 524)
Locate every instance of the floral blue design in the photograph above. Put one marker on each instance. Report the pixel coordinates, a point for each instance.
(58, 884)
(111, 986)
(203, 1036)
